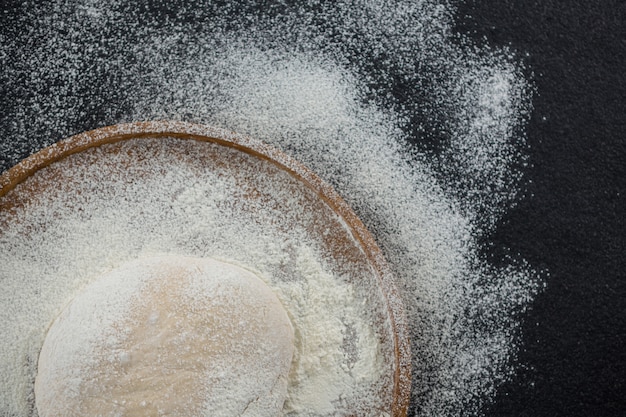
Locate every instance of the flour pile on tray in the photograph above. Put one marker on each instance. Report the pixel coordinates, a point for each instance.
(168, 335)
(420, 131)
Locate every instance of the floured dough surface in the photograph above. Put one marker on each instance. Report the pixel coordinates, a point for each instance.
(170, 335)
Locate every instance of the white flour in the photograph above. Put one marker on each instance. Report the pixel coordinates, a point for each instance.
(419, 130)
(168, 335)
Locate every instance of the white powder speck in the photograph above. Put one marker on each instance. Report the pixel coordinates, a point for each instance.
(421, 135)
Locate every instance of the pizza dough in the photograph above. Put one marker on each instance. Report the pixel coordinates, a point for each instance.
(171, 335)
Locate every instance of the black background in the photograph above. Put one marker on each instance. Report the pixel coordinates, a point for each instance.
(572, 222)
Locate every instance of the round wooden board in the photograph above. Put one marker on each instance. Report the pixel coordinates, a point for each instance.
(353, 248)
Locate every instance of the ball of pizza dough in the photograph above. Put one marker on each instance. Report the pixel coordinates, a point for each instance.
(170, 335)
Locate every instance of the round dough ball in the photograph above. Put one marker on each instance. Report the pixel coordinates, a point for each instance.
(171, 335)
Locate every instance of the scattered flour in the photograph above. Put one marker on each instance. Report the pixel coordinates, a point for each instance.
(419, 130)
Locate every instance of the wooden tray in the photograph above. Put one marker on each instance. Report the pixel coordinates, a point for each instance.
(352, 247)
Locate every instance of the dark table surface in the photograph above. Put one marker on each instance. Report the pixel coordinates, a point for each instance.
(575, 335)
(572, 221)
